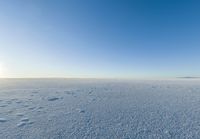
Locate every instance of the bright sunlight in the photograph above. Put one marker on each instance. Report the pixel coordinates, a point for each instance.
(2, 69)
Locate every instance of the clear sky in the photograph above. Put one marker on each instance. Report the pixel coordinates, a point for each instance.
(99, 38)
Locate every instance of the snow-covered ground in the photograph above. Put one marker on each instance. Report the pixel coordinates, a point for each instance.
(99, 109)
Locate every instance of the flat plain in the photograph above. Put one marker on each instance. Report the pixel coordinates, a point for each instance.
(99, 109)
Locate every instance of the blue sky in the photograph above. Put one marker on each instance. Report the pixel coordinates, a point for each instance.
(99, 38)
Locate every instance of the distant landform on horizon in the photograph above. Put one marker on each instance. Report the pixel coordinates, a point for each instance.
(189, 77)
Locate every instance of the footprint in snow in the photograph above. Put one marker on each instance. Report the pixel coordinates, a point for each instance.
(40, 107)
(53, 98)
(26, 105)
(20, 114)
(90, 92)
(18, 102)
(4, 105)
(21, 124)
(80, 110)
(69, 92)
(2, 120)
(8, 102)
(24, 119)
(30, 123)
(10, 111)
(31, 108)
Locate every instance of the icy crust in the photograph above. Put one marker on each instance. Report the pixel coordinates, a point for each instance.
(99, 109)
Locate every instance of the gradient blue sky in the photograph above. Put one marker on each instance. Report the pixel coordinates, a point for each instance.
(99, 38)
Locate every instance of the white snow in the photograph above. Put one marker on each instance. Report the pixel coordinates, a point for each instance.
(99, 109)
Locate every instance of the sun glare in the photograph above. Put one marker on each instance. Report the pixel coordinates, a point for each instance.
(1, 69)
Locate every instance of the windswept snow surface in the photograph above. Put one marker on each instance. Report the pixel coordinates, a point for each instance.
(99, 109)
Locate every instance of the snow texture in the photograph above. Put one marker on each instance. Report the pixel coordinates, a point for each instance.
(99, 109)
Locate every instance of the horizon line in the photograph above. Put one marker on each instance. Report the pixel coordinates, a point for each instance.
(105, 78)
